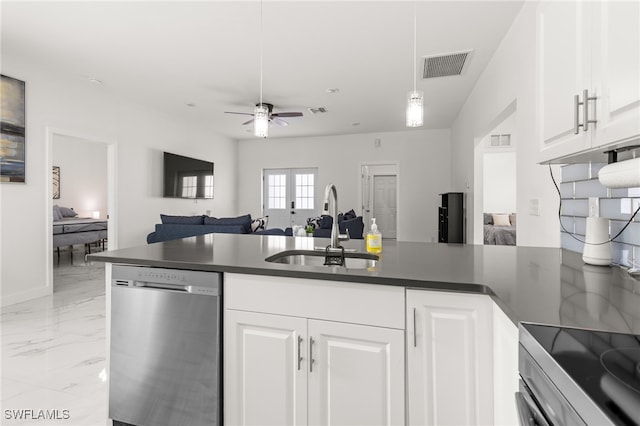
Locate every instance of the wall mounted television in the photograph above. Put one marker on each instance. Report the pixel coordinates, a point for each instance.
(186, 177)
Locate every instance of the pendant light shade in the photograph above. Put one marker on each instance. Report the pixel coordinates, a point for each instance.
(415, 108)
(261, 121)
(415, 100)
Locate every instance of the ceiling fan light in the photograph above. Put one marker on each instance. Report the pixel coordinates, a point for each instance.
(261, 121)
(415, 108)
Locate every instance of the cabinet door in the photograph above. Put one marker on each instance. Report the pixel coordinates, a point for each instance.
(563, 62)
(357, 374)
(616, 67)
(264, 383)
(449, 355)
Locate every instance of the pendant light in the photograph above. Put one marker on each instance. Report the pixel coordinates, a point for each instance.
(415, 102)
(261, 111)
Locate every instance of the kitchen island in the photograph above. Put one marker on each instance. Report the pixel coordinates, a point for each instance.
(532, 284)
(450, 311)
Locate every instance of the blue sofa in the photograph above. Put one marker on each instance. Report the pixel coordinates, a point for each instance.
(176, 227)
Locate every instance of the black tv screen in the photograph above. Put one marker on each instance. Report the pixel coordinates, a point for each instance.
(186, 177)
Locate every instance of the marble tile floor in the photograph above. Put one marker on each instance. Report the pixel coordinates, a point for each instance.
(53, 351)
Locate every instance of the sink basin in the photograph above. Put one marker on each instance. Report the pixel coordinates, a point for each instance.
(317, 258)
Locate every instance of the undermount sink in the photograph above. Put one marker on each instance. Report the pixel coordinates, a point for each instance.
(317, 258)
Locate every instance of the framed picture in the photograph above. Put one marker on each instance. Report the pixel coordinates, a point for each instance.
(56, 182)
(12, 130)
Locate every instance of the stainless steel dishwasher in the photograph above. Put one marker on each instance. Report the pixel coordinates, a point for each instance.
(165, 347)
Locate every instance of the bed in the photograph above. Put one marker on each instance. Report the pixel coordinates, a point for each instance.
(69, 229)
(500, 229)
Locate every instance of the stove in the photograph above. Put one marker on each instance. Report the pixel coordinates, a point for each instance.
(576, 376)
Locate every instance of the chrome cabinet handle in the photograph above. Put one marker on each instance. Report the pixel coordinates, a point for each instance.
(415, 344)
(585, 109)
(576, 114)
(299, 353)
(311, 361)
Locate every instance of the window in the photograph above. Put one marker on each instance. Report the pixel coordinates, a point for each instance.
(277, 191)
(304, 191)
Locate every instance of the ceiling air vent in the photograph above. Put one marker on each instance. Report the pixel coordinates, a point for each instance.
(319, 110)
(445, 65)
(500, 141)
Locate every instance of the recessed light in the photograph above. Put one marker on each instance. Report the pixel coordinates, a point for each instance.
(332, 90)
(94, 80)
(355, 124)
(191, 105)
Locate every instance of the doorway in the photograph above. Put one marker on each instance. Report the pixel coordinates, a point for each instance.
(289, 196)
(81, 176)
(495, 197)
(380, 197)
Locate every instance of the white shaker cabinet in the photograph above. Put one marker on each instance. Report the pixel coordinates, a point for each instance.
(616, 70)
(356, 376)
(449, 358)
(264, 383)
(588, 63)
(328, 366)
(563, 71)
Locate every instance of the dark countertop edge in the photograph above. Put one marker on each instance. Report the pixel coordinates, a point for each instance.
(408, 283)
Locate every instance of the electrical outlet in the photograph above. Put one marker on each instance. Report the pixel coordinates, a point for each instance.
(594, 207)
(534, 207)
(377, 142)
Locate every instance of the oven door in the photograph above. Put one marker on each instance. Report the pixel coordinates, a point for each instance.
(528, 412)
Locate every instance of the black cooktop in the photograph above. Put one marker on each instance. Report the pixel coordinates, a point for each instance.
(605, 365)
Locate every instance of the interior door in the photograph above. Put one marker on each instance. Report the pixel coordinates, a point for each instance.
(289, 196)
(379, 197)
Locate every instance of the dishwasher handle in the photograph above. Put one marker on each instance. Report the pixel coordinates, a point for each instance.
(180, 288)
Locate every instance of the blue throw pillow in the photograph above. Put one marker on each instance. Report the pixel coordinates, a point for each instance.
(350, 215)
(182, 220)
(240, 220)
(325, 221)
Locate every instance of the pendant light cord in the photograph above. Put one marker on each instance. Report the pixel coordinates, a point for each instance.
(261, 53)
(414, 44)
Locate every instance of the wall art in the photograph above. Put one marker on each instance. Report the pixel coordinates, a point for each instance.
(56, 182)
(12, 130)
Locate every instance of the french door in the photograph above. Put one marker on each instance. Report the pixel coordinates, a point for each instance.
(289, 196)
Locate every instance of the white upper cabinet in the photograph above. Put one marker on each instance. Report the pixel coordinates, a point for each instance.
(587, 49)
(616, 72)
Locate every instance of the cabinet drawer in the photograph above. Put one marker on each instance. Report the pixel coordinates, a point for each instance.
(368, 304)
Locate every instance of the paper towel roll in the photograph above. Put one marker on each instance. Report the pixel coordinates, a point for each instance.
(597, 232)
(624, 174)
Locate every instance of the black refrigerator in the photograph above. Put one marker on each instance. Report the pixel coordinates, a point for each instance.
(451, 218)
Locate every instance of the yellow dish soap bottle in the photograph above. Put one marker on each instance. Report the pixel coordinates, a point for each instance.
(374, 238)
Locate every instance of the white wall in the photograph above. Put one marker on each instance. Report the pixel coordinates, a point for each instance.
(508, 82)
(423, 158)
(499, 183)
(69, 103)
(83, 175)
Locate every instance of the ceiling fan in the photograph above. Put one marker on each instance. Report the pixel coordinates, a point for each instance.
(274, 117)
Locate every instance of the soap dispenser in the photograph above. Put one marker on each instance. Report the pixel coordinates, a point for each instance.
(374, 238)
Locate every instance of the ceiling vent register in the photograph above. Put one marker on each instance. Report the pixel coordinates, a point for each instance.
(445, 65)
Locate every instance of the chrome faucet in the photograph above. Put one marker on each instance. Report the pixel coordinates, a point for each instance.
(336, 237)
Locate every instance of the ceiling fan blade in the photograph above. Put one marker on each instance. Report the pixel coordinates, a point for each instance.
(240, 113)
(286, 114)
(247, 122)
(278, 122)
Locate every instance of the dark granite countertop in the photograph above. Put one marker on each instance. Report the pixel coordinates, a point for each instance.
(534, 284)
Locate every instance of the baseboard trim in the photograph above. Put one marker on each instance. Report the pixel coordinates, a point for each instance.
(24, 296)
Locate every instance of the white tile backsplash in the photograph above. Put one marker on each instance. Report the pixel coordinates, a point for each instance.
(579, 183)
